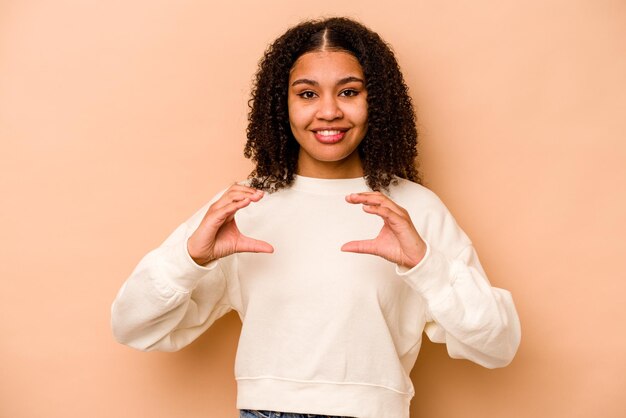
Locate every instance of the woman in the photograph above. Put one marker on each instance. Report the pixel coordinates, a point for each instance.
(333, 299)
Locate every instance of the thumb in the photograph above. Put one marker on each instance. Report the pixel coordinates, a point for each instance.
(251, 245)
(367, 246)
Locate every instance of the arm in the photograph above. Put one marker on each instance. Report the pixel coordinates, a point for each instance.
(169, 300)
(476, 321)
(179, 289)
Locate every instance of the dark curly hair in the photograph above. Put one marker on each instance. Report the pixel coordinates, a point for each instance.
(389, 147)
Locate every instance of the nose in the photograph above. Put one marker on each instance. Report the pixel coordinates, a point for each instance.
(329, 109)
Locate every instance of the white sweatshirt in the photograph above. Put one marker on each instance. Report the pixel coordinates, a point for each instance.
(324, 331)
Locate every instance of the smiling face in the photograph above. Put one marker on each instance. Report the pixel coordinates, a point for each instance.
(328, 113)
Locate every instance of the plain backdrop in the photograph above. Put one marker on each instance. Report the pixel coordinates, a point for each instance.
(120, 119)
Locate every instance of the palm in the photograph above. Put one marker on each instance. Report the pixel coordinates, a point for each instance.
(230, 240)
(398, 241)
(217, 235)
(385, 245)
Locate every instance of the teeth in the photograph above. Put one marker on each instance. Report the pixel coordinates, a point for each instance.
(328, 133)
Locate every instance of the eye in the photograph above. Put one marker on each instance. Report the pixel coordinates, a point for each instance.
(307, 94)
(349, 93)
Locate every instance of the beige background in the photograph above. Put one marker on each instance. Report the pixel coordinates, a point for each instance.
(119, 119)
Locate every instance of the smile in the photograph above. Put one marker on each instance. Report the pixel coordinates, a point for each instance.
(329, 136)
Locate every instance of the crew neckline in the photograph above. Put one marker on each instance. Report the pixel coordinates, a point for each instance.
(330, 186)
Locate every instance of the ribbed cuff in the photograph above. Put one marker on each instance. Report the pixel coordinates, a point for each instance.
(182, 273)
(431, 277)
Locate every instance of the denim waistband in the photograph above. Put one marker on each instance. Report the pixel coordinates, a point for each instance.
(249, 413)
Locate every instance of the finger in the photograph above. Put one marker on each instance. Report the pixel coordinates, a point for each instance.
(237, 190)
(237, 186)
(374, 199)
(236, 194)
(370, 193)
(391, 217)
(251, 245)
(219, 216)
(371, 199)
(392, 213)
(366, 197)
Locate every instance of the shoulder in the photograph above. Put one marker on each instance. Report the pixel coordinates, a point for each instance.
(407, 193)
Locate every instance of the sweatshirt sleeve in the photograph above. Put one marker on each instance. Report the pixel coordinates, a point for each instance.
(169, 300)
(477, 322)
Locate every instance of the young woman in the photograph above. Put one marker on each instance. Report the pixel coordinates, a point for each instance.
(334, 256)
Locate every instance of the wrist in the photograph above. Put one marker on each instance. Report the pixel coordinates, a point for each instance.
(415, 257)
(196, 256)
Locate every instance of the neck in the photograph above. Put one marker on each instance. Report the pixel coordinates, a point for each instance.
(348, 168)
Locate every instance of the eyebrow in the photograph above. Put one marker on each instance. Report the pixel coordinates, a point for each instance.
(344, 80)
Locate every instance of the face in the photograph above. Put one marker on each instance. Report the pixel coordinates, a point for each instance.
(328, 113)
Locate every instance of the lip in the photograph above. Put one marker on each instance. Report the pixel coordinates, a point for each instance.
(329, 135)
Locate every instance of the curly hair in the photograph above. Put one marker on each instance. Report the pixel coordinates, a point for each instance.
(389, 147)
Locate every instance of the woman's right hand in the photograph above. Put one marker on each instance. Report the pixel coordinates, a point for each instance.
(217, 235)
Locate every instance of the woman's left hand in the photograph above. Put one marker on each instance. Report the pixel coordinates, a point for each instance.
(398, 241)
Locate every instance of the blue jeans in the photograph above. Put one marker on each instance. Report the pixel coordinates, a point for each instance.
(248, 413)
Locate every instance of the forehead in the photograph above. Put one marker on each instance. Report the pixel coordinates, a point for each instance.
(325, 64)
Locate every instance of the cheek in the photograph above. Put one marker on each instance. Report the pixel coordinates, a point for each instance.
(300, 117)
(360, 113)
(361, 117)
(295, 116)
(291, 111)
